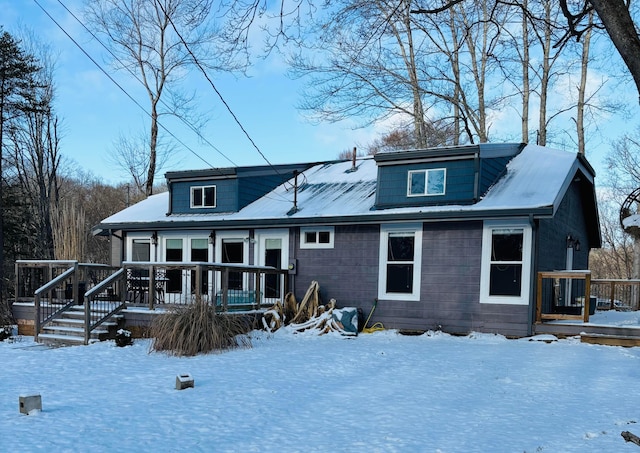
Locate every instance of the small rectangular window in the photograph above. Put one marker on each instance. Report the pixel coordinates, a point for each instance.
(316, 238)
(203, 197)
(426, 182)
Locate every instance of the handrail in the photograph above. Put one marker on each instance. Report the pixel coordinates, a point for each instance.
(37, 322)
(103, 284)
(53, 283)
(89, 326)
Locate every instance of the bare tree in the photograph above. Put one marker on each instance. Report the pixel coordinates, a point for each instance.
(35, 150)
(129, 154)
(362, 60)
(146, 38)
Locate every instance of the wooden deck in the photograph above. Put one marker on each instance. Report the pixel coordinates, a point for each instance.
(627, 336)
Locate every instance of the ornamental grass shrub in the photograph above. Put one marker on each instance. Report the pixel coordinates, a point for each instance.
(197, 329)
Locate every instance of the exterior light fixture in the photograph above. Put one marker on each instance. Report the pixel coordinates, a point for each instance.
(154, 238)
(573, 243)
(212, 237)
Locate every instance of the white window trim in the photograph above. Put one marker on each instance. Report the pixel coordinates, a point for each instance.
(426, 183)
(485, 273)
(416, 229)
(317, 245)
(143, 237)
(261, 237)
(203, 206)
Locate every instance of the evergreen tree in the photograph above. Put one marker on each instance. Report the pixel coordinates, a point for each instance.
(17, 90)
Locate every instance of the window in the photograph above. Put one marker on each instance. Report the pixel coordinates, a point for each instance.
(426, 182)
(506, 257)
(141, 250)
(400, 262)
(233, 252)
(173, 253)
(316, 238)
(203, 197)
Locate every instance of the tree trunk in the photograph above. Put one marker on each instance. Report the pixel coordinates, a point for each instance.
(525, 73)
(617, 20)
(153, 143)
(544, 80)
(582, 88)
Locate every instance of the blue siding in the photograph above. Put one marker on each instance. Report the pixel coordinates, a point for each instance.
(490, 171)
(252, 188)
(392, 184)
(226, 196)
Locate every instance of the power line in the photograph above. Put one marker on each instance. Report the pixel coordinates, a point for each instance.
(115, 57)
(197, 63)
(117, 84)
(143, 108)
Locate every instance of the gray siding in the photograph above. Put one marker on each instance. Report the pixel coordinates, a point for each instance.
(348, 272)
(226, 196)
(450, 282)
(392, 184)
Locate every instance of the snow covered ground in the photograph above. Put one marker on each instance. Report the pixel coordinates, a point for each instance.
(380, 392)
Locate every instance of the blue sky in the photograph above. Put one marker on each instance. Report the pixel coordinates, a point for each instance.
(95, 112)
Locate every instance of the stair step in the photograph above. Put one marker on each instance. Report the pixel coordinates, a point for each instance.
(58, 339)
(610, 340)
(80, 322)
(74, 330)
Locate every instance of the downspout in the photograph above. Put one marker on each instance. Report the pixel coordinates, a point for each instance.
(533, 287)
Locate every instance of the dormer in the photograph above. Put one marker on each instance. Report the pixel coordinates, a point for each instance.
(458, 175)
(218, 190)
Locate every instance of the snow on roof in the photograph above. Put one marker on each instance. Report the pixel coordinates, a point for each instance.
(535, 178)
(631, 221)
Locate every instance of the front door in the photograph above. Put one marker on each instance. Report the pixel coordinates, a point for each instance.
(272, 250)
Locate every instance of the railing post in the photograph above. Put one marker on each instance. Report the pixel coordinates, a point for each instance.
(612, 294)
(87, 318)
(587, 296)
(152, 286)
(75, 282)
(36, 317)
(258, 287)
(198, 288)
(224, 280)
(539, 299)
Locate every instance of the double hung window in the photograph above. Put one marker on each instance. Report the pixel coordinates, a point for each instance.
(506, 263)
(400, 262)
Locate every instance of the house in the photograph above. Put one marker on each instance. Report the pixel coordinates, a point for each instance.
(449, 238)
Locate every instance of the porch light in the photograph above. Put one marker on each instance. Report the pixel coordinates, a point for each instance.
(212, 237)
(573, 243)
(154, 238)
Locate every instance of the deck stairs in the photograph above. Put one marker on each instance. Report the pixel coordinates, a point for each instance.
(68, 329)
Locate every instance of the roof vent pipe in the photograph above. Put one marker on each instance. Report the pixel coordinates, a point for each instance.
(353, 160)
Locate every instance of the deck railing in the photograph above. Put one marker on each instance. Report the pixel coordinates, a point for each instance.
(616, 294)
(62, 284)
(227, 286)
(564, 295)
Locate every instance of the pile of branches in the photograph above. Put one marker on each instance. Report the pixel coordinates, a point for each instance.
(304, 316)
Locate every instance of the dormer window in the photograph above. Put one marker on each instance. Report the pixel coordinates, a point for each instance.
(426, 182)
(203, 197)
